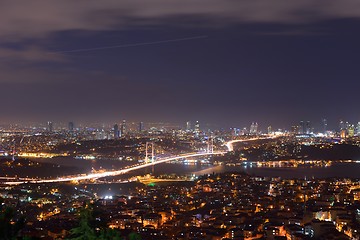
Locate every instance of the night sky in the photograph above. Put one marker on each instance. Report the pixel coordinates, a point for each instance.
(225, 62)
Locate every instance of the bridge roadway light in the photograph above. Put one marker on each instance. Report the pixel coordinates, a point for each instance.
(113, 173)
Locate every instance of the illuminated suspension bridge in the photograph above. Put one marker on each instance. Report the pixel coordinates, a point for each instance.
(148, 162)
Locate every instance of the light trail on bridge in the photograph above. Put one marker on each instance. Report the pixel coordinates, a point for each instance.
(230, 144)
(111, 173)
(93, 176)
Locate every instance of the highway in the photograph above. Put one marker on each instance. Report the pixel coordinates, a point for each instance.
(110, 173)
(230, 144)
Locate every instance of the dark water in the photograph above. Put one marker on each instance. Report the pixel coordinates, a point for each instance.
(346, 170)
(85, 165)
(350, 170)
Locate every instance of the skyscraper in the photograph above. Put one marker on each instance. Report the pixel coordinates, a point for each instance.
(50, 126)
(351, 130)
(188, 126)
(197, 127)
(235, 132)
(141, 126)
(123, 128)
(308, 127)
(305, 127)
(358, 129)
(347, 125)
(254, 128)
(343, 133)
(342, 125)
(324, 125)
(71, 126)
(116, 131)
(302, 127)
(295, 129)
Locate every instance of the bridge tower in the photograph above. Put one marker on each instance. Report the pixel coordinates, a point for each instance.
(151, 146)
(13, 149)
(210, 145)
(13, 152)
(147, 160)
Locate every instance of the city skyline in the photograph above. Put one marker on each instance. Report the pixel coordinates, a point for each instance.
(122, 126)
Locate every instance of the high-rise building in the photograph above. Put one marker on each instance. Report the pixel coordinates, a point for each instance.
(342, 125)
(101, 135)
(71, 126)
(116, 131)
(351, 130)
(343, 133)
(358, 129)
(305, 127)
(308, 127)
(295, 129)
(253, 128)
(188, 126)
(123, 128)
(235, 132)
(269, 130)
(50, 126)
(141, 126)
(324, 125)
(347, 125)
(302, 127)
(197, 127)
(244, 131)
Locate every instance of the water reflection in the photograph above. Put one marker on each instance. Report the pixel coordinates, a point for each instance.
(350, 170)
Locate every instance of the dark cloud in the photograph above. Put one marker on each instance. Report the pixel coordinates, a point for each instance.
(32, 54)
(28, 19)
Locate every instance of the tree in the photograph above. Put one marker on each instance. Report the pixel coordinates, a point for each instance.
(84, 231)
(7, 229)
(109, 234)
(134, 236)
